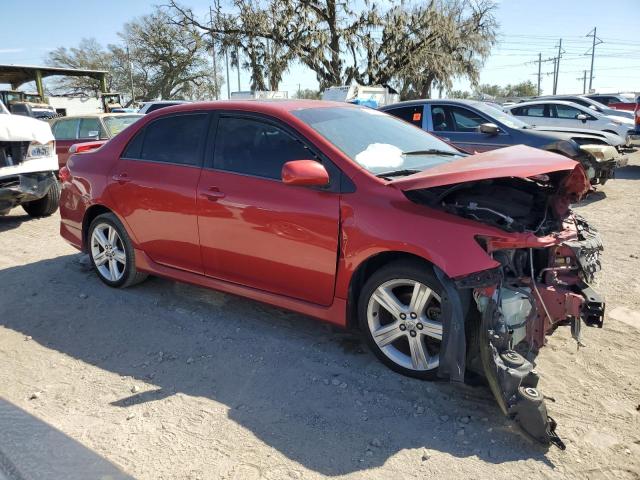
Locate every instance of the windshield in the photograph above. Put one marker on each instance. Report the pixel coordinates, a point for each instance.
(3, 109)
(116, 124)
(378, 142)
(506, 118)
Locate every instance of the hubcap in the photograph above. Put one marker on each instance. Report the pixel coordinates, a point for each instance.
(107, 251)
(403, 317)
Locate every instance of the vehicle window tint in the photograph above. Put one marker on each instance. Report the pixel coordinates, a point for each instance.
(566, 111)
(66, 129)
(533, 111)
(134, 148)
(441, 119)
(158, 106)
(466, 120)
(90, 128)
(254, 147)
(411, 114)
(175, 139)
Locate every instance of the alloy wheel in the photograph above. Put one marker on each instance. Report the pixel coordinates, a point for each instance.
(108, 253)
(403, 316)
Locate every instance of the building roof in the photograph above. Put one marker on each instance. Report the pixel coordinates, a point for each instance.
(16, 75)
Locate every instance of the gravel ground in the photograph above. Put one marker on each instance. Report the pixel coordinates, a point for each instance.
(170, 381)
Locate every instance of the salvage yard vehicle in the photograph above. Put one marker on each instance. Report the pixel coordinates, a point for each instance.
(28, 164)
(560, 113)
(84, 128)
(589, 103)
(615, 101)
(447, 262)
(475, 126)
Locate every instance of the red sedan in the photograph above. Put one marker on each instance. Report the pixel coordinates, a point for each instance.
(446, 262)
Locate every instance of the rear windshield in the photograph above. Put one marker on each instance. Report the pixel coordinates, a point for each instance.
(377, 141)
(116, 124)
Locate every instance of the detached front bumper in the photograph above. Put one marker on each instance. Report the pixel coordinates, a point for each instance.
(633, 138)
(18, 189)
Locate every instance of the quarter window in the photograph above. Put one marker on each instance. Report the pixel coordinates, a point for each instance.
(90, 128)
(175, 139)
(66, 129)
(253, 147)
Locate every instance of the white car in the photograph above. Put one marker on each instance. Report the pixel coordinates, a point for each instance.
(559, 113)
(28, 165)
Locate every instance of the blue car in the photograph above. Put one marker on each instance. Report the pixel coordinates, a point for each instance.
(475, 126)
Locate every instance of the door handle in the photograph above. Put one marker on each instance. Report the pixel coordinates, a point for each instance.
(121, 178)
(213, 194)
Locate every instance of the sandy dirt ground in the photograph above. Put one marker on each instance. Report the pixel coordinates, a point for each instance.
(170, 381)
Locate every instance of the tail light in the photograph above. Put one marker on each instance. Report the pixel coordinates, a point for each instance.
(64, 174)
(86, 146)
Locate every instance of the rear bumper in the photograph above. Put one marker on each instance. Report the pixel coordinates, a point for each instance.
(18, 189)
(72, 235)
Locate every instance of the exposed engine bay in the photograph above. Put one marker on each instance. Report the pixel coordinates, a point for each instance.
(545, 265)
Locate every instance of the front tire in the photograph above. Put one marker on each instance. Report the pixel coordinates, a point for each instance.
(45, 206)
(399, 313)
(111, 252)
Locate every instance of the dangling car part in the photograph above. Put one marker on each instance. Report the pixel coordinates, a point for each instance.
(546, 257)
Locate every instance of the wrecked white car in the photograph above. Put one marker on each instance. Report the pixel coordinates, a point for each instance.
(28, 165)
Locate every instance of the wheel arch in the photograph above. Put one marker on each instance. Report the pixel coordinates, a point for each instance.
(367, 268)
(90, 214)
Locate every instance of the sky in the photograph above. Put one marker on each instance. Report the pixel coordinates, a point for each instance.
(527, 28)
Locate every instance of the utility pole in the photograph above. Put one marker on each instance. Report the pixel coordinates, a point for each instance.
(584, 82)
(226, 59)
(555, 72)
(213, 55)
(238, 60)
(560, 52)
(133, 93)
(539, 71)
(592, 33)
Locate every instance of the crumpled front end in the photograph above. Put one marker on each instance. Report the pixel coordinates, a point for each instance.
(538, 289)
(601, 161)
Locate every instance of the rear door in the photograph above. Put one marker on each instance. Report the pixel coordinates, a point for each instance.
(65, 131)
(255, 230)
(154, 187)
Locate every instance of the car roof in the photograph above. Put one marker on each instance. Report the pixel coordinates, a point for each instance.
(546, 100)
(102, 115)
(273, 106)
(450, 101)
(157, 102)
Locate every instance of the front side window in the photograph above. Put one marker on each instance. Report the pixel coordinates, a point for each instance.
(376, 141)
(441, 120)
(466, 120)
(567, 112)
(175, 139)
(66, 129)
(254, 147)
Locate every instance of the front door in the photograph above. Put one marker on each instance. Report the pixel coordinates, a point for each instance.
(154, 187)
(255, 230)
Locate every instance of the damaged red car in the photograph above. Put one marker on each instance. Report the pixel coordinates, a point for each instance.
(447, 262)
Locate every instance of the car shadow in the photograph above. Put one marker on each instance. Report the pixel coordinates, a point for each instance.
(30, 448)
(630, 172)
(311, 392)
(9, 222)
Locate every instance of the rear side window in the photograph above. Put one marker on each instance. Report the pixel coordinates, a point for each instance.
(90, 128)
(175, 139)
(66, 129)
(411, 114)
(253, 147)
(532, 111)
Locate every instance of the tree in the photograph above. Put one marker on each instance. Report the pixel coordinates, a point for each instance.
(419, 46)
(522, 89)
(308, 93)
(165, 60)
(460, 94)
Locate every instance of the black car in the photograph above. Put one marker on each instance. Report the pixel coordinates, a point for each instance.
(475, 126)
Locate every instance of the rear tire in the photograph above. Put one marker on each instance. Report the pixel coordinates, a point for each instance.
(111, 252)
(45, 206)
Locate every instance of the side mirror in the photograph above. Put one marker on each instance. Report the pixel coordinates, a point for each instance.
(489, 128)
(582, 117)
(305, 173)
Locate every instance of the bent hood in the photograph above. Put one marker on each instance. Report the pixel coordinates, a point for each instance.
(517, 161)
(18, 128)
